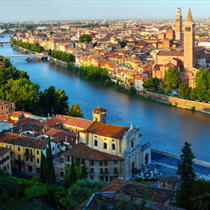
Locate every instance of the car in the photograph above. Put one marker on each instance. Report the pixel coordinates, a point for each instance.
(15, 170)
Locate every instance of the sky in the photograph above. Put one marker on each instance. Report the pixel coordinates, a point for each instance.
(31, 10)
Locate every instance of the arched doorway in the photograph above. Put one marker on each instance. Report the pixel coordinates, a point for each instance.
(147, 158)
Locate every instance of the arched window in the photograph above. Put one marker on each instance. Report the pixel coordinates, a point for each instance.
(105, 145)
(96, 143)
(113, 146)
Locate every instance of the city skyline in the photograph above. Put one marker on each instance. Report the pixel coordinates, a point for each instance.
(44, 10)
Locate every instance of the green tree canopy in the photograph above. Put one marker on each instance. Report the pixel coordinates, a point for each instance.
(151, 82)
(85, 38)
(74, 111)
(53, 101)
(132, 90)
(185, 169)
(184, 90)
(171, 77)
(122, 43)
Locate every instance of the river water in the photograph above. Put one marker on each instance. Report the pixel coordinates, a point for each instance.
(167, 128)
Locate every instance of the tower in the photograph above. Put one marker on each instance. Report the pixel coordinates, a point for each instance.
(99, 115)
(189, 41)
(178, 24)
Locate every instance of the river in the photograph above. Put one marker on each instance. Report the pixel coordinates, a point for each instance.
(167, 128)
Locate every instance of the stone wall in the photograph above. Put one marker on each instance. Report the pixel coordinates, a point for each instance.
(182, 103)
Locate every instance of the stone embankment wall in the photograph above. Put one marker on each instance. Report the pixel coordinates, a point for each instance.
(182, 103)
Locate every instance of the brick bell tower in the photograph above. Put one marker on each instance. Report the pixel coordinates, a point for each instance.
(178, 24)
(189, 41)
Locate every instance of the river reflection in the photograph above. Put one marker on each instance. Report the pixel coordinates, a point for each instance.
(167, 128)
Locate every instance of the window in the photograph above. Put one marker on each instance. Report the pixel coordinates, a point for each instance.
(83, 161)
(115, 171)
(95, 136)
(95, 143)
(26, 158)
(19, 157)
(31, 159)
(6, 106)
(58, 146)
(2, 107)
(18, 149)
(72, 131)
(10, 146)
(105, 163)
(37, 160)
(132, 144)
(6, 146)
(105, 145)
(113, 146)
(7, 157)
(101, 163)
(37, 152)
(53, 148)
(31, 152)
(115, 161)
(8, 166)
(106, 171)
(92, 162)
(68, 159)
(106, 178)
(92, 171)
(101, 171)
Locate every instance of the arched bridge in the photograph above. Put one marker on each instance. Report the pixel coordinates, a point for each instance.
(26, 56)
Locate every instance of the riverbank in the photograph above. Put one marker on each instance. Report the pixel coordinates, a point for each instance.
(143, 95)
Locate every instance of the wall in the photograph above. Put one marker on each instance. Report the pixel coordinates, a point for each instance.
(182, 103)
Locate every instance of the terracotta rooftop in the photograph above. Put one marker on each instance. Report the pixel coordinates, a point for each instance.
(24, 141)
(165, 53)
(3, 150)
(4, 102)
(108, 130)
(82, 151)
(189, 16)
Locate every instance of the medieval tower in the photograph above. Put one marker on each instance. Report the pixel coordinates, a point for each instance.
(189, 42)
(178, 24)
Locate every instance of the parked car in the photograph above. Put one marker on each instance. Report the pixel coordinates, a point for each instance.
(15, 170)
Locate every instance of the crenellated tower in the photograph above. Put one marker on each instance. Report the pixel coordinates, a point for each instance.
(178, 24)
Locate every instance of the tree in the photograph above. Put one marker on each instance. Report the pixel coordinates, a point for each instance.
(107, 82)
(151, 82)
(85, 38)
(50, 172)
(73, 177)
(23, 92)
(122, 43)
(84, 174)
(74, 111)
(42, 174)
(53, 101)
(171, 77)
(161, 87)
(132, 90)
(202, 78)
(184, 90)
(185, 169)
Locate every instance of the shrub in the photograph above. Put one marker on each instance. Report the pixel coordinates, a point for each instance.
(35, 179)
(192, 108)
(107, 82)
(132, 90)
(35, 191)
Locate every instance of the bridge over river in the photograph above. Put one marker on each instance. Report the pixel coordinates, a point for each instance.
(26, 56)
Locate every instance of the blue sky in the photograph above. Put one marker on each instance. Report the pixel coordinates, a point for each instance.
(28, 10)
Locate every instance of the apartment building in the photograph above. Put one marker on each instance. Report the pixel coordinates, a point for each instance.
(6, 107)
(5, 160)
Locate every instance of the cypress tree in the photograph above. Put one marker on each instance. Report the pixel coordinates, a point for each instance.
(185, 169)
(72, 177)
(84, 174)
(52, 175)
(42, 177)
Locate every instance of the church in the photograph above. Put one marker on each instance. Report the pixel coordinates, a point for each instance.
(189, 60)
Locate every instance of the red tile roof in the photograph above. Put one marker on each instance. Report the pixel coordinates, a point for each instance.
(165, 53)
(82, 151)
(108, 130)
(3, 150)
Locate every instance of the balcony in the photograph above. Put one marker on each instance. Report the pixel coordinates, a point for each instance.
(19, 161)
(28, 155)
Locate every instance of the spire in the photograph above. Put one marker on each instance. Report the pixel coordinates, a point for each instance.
(189, 16)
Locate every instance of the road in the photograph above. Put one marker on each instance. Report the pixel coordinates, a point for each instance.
(173, 162)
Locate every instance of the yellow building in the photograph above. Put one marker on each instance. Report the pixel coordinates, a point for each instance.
(133, 63)
(5, 160)
(7, 107)
(26, 151)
